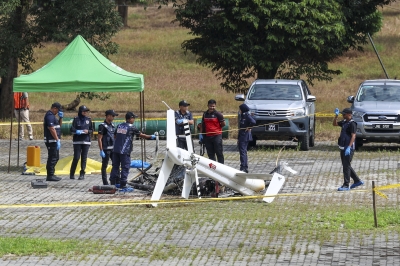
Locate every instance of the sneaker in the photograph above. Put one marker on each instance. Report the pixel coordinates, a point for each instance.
(126, 189)
(81, 177)
(30, 137)
(343, 188)
(359, 183)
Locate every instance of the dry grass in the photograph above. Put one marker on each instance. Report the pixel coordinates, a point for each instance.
(151, 45)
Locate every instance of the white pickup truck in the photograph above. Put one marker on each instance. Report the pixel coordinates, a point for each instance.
(376, 110)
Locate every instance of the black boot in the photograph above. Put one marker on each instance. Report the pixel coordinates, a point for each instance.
(71, 176)
(105, 182)
(53, 178)
(81, 176)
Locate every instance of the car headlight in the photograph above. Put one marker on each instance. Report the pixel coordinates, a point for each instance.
(298, 112)
(252, 112)
(358, 115)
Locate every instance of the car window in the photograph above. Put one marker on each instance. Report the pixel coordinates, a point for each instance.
(383, 93)
(275, 92)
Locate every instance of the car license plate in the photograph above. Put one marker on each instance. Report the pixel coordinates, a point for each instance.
(272, 127)
(382, 126)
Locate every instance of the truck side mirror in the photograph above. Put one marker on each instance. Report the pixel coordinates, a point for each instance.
(350, 99)
(239, 97)
(311, 98)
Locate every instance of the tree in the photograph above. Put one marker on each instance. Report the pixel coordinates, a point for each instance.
(242, 39)
(26, 24)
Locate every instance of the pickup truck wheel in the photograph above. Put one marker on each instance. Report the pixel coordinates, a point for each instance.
(358, 143)
(312, 135)
(253, 143)
(304, 141)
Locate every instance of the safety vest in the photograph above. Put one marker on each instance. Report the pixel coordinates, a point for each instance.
(19, 101)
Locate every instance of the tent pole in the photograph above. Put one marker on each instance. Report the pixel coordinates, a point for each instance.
(9, 150)
(141, 128)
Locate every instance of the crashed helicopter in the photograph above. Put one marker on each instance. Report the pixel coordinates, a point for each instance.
(244, 183)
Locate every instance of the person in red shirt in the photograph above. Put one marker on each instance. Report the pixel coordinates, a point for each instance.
(21, 111)
(211, 129)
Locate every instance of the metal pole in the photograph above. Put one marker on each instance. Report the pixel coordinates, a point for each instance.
(374, 204)
(11, 125)
(379, 58)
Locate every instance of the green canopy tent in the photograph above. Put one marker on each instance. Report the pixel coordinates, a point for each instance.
(80, 67)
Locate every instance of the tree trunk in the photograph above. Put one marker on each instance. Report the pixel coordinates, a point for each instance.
(6, 93)
(123, 12)
(73, 104)
(263, 74)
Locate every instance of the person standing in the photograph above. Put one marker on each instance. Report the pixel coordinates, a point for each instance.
(347, 147)
(106, 142)
(52, 136)
(21, 111)
(124, 134)
(211, 132)
(245, 124)
(81, 129)
(180, 115)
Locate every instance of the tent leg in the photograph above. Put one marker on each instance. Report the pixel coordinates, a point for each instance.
(9, 150)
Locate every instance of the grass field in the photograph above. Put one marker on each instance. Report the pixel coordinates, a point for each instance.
(151, 45)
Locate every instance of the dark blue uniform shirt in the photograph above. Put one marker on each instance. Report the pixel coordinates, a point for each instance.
(124, 134)
(50, 120)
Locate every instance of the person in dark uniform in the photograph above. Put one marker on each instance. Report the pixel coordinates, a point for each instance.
(81, 128)
(52, 136)
(180, 115)
(347, 146)
(211, 132)
(244, 136)
(124, 134)
(106, 142)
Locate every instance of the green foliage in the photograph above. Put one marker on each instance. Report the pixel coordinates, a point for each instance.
(93, 95)
(242, 39)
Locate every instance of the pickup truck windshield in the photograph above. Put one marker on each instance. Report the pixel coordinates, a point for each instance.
(378, 93)
(275, 92)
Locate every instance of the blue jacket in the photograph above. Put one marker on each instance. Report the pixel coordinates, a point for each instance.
(124, 134)
(50, 120)
(82, 123)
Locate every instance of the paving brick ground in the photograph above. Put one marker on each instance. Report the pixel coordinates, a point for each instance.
(319, 174)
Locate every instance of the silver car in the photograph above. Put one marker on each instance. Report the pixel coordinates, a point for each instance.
(376, 110)
(283, 109)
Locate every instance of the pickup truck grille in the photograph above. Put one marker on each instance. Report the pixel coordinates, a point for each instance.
(381, 118)
(272, 113)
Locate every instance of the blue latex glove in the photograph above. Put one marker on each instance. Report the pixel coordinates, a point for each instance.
(153, 137)
(179, 121)
(337, 111)
(347, 151)
(78, 132)
(60, 114)
(58, 144)
(201, 137)
(102, 154)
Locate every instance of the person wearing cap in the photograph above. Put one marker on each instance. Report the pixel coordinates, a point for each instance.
(347, 147)
(246, 122)
(81, 128)
(124, 134)
(106, 142)
(180, 116)
(211, 126)
(52, 136)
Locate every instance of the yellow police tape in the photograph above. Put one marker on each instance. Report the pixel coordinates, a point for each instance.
(195, 117)
(174, 201)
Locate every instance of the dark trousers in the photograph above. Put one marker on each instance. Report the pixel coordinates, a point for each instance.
(80, 151)
(104, 165)
(123, 160)
(243, 155)
(214, 147)
(53, 156)
(181, 143)
(348, 171)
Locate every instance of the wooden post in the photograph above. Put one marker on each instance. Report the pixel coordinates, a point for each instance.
(374, 204)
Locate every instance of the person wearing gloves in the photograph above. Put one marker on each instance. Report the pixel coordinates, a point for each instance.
(81, 129)
(245, 124)
(180, 115)
(106, 142)
(124, 134)
(347, 147)
(52, 136)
